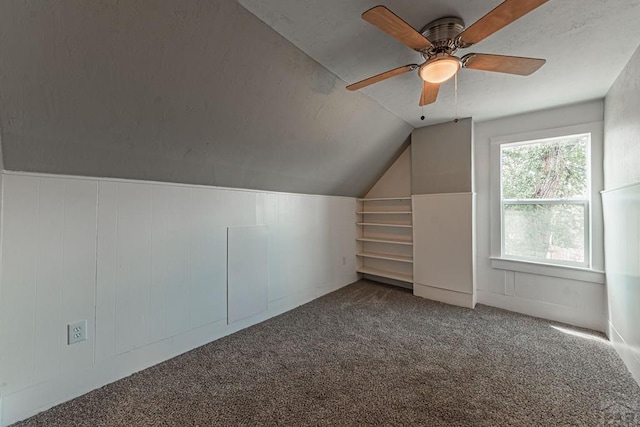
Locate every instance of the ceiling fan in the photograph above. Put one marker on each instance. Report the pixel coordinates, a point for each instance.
(439, 40)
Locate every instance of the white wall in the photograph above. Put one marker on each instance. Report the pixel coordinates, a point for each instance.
(574, 298)
(146, 265)
(442, 158)
(443, 211)
(396, 181)
(622, 212)
(443, 252)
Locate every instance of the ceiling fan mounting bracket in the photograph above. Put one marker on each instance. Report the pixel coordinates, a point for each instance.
(443, 34)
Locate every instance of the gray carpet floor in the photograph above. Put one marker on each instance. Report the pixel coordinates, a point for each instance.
(371, 354)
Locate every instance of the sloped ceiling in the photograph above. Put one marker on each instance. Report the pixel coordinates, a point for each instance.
(191, 91)
(586, 43)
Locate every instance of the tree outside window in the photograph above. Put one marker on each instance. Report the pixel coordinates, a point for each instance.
(545, 200)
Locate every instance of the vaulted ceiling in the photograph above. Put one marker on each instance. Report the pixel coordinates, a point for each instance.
(188, 91)
(586, 44)
(205, 92)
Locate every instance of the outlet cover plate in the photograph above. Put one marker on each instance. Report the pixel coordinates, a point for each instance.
(76, 332)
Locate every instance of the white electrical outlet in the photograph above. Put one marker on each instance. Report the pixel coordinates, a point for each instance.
(76, 332)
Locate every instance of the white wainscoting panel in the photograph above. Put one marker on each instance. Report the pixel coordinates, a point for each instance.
(133, 272)
(443, 247)
(622, 247)
(49, 281)
(146, 265)
(247, 272)
(20, 246)
(170, 259)
(48, 278)
(212, 211)
(78, 270)
(576, 302)
(106, 268)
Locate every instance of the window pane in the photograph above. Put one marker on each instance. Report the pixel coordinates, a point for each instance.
(545, 231)
(554, 169)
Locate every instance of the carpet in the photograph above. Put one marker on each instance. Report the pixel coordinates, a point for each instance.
(371, 354)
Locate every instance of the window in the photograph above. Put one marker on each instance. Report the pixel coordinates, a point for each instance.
(545, 200)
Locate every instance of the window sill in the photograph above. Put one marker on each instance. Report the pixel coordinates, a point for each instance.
(561, 271)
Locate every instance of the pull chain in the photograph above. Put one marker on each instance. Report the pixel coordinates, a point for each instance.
(456, 98)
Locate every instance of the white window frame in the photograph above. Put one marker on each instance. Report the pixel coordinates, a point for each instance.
(585, 202)
(594, 265)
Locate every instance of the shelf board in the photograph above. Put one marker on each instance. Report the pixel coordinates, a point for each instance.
(389, 257)
(377, 224)
(384, 199)
(385, 213)
(390, 241)
(385, 273)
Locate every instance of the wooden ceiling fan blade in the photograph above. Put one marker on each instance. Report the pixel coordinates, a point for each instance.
(429, 93)
(502, 64)
(393, 25)
(507, 12)
(382, 76)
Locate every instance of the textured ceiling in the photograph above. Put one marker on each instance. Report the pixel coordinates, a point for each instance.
(169, 90)
(586, 44)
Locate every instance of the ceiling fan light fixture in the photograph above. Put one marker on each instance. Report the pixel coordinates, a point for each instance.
(439, 69)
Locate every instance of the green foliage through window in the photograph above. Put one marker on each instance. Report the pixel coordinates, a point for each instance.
(545, 196)
(555, 169)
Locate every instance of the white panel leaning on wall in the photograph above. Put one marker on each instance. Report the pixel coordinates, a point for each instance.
(145, 264)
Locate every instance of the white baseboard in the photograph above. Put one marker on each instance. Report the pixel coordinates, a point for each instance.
(442, 295)
(559, 313)
(336, 284)
(626, 353)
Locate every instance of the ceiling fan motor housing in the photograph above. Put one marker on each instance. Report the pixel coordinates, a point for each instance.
(442, 34)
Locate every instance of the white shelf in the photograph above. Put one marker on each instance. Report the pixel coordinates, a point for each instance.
(390, 241)
(384, 199)
(384, 213)
(378, 224)
(385, 273)
(390, 257)
(382, 261)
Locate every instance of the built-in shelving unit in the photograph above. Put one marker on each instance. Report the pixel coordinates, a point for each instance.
(390, 241)
(376, 224)
(387, 274)
(385, 238)
(385, 213)
(390, 257)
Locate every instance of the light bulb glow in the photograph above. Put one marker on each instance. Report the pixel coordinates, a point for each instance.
(438, 70)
